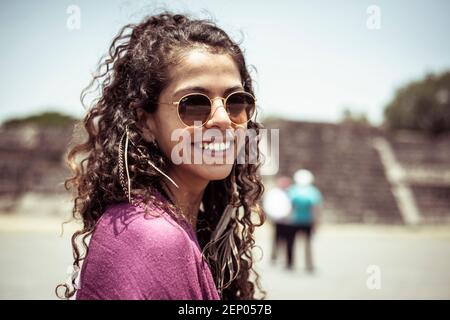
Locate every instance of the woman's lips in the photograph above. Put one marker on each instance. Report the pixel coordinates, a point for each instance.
(214, 146)
(216, 149)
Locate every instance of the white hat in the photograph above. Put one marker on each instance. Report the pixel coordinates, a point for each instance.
(303, 177)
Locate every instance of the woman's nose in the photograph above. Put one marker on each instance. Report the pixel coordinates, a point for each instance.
(219, 116)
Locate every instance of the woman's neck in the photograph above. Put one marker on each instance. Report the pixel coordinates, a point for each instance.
(188, 196)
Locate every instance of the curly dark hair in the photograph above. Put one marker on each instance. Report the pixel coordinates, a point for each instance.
(131, 77)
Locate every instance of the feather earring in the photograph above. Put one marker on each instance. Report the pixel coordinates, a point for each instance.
(222, 248)
(152, 164)
(123, 164)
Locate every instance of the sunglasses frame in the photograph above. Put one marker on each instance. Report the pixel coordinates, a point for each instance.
(224, 101)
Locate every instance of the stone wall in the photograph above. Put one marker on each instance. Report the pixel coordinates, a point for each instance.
(31, 161)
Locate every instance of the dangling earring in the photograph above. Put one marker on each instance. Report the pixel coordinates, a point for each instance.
(153, 165)
(222, 246)
(123, 157)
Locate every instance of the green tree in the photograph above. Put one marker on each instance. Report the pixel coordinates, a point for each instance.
(422, 105)
(349, 116)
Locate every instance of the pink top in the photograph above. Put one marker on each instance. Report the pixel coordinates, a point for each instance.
(135, 257)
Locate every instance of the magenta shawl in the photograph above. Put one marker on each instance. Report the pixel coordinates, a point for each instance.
(132, 256)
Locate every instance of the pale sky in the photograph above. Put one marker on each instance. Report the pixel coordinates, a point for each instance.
(313, 58)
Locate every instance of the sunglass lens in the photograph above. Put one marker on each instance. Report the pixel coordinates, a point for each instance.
(241, 107)
(194, 108)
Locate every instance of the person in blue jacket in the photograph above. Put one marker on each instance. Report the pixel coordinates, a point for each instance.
(305, 198)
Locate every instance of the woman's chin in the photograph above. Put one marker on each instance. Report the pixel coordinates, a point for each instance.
(211, 172)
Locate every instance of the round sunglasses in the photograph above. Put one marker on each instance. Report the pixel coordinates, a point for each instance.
(197, 107)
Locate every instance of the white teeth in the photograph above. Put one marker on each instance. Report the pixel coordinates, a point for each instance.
(216, 146)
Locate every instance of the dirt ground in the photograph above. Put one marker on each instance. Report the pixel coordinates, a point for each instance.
(352, 261)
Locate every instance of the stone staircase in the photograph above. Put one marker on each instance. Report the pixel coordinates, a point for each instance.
(426, 162)
(351, 175)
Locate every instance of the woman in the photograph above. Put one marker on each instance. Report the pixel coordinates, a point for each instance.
(161, 229)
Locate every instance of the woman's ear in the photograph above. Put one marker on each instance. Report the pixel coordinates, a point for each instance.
(146, 123)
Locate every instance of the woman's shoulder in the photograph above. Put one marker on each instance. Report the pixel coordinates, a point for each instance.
(126, 226)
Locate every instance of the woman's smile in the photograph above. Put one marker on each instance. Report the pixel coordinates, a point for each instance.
(211, 151)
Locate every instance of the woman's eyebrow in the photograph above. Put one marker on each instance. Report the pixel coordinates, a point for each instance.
(204, 90)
